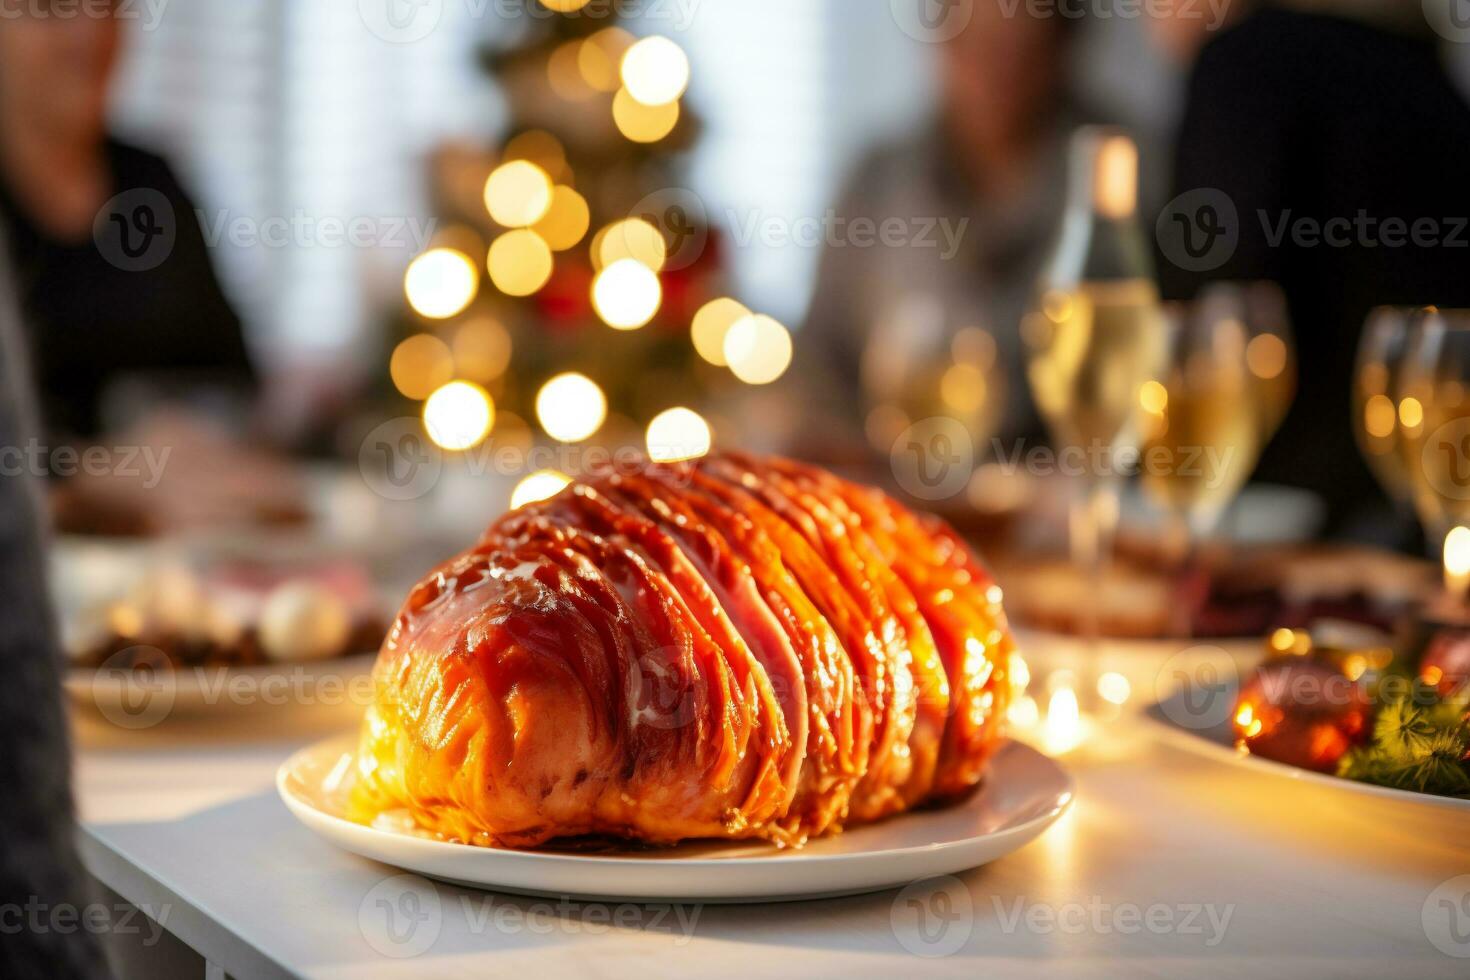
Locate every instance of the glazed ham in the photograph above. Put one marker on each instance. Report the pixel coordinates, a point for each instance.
(738, 648)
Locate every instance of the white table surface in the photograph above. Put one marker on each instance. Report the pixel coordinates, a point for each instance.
(185, 815)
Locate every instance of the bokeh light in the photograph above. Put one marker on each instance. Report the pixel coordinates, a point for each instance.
(711, 324)
(564, 6)
(481, 349)
(1266, 356)
(643, 123)
(517, 193)
(539, 486)
(758, 349)
(599, 56)
(541, 148)
(571, 407)
(420, 364)
(441, 282)
(459, 415)
(565, 75)
(677, 434)
(655, 71)
(566, 221)
(631, 238)
(626, 294)
(519, 262)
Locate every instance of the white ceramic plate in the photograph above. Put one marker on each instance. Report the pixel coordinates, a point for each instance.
(1024, 793)
(140, 699)
(1200, 722)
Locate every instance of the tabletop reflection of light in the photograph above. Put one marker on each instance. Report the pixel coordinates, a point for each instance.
(440, 282)
(420, 364)
(538, 486)
(711, 324)
(643, 123)
(626, 294)
(519, 262)
(678, 434)
(655, 71)
(758, 349)
(632, 238)
(1114, 688)
(565, 222)
(570, 407)
(1061, 731)
(517, 193)
(459, 415)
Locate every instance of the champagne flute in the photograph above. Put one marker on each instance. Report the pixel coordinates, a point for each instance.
(1097, 337)
(1381, 352)
(1434, 420)
(1203, 425)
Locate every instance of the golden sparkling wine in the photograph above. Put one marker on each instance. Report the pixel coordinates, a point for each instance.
(1093, 348)
(1201, 438)
(1434, 448)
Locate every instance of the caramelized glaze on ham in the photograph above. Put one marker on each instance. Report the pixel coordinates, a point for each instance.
(739, 648)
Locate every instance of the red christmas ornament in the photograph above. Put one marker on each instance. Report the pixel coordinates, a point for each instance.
(1302, 712)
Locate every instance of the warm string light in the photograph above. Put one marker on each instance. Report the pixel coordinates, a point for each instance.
(1457, 562)
(566, 221)
(440, 283)
(631, 238)
(518, 193)
(571, 407)
(538, 486)
(643, 123)
(481, 350)
(655, 71)
(519, 262)
(758, 349)
(626, 294)
(420, 364)
(459, 415)
(711, 324)
(678, 434)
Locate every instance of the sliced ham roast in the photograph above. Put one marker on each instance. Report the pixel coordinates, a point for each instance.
(740, 647)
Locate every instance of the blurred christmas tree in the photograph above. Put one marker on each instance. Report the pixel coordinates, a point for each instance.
(573, 292)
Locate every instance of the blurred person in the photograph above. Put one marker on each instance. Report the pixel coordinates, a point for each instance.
(979, 187)
(1310, 118)
(39, 866)
(118, 291)
(93, 318)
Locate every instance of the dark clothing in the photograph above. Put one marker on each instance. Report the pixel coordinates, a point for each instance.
(38, 860)
(1306, 118)
(93, 317)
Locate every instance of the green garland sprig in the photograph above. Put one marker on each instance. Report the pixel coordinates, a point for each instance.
(1420, 742)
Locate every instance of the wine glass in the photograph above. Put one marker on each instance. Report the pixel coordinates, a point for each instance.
(1434, 420)
(1096, 337)
(1203, 425)
(1381, 352)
